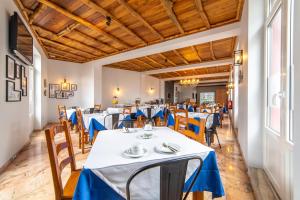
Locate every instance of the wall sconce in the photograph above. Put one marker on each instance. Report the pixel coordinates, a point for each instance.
(118, 91)
(238, 57)
(151, 90)
(65, 86)
(230, 85)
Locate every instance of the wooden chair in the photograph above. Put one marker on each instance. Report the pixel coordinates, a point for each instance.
(199, 137)
(62, 113)
(57, 167)
(97, 107)
(83, 133)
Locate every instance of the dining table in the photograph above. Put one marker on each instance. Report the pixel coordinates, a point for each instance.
(107, 168)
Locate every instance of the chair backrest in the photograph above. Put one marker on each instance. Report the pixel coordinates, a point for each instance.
(181, 112)
(80, 123)
(62, 113)
(172, 177)
(185, 122)
(209, 121)
(127, 110)
(97, 107)
(54, 150)
(114, 119)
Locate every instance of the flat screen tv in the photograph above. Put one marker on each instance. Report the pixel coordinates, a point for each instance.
(20, 40)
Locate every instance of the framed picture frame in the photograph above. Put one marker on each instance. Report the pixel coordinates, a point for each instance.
(23, 81)
(17, 71)
(70, 94)
(62, 95)
(53, 88)
(65, 86)
(12, 95)
(73, 87)
(10, 68)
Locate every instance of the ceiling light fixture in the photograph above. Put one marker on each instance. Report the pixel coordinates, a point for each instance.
(189, 81)
(108, 20)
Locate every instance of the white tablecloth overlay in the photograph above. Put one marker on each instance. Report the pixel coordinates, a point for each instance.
(108, 163)
(100, 117)
(154, 110)
(69, 112)
(193, 115)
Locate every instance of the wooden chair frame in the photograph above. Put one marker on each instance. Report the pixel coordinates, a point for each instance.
(83, 135)
(56, 166)
(62, 113)
(199, 137)
(97, 107)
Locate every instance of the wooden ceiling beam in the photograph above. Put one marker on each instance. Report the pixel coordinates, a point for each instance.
(168, 6)
(53, 36)
(204, 17)
(40, 8)
(239, 9)
(138, 67)
(140, 18)
(68, 29)
(154, 61)
(70, 54)
(212, 51)
(166, 59)
(55, 55)
(82, 21)
(181, 57)
(87, 37)
(65, 46)
(144, 63)
(212, 75)
(105, 13)
(197, 53)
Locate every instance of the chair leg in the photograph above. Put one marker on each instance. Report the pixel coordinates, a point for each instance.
(82, 143)
(208, 139)
(79, 139)
(218, 139)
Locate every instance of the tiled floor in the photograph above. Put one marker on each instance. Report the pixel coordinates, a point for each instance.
(29, 176)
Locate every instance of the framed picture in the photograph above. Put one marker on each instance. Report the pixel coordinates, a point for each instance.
(61, 95)
(10, 68)
(53, 88)
(23, 81)
(65, 86)
(73, 87)
(12, 95)
(70, 94)
(17, 71)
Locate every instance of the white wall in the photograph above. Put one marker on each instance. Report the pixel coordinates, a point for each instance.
(132, 85)
(14, 116)
(74, 73)
(251, 89)
(296, 128)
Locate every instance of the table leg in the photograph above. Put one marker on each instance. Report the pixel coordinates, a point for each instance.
(198, 195)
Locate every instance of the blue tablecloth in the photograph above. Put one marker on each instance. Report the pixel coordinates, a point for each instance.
(73, 118)
(159, 114)
(95, 125)
(191, 109)
(90, 186)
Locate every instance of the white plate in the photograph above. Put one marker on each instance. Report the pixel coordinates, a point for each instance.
(128, 153)
(131, 130)
(162, 149)
(145, 137)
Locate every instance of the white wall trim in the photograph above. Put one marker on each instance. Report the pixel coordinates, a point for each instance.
(201, 76)
(192, 66)
(218, 33)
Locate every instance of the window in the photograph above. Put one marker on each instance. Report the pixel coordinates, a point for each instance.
(274, 72)
(207, 97)
(291, 71)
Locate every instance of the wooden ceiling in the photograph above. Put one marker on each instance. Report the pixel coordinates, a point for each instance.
(216, 50)
(84, 30)
(194, 72)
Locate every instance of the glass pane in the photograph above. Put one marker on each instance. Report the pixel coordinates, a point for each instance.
(274, 72)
